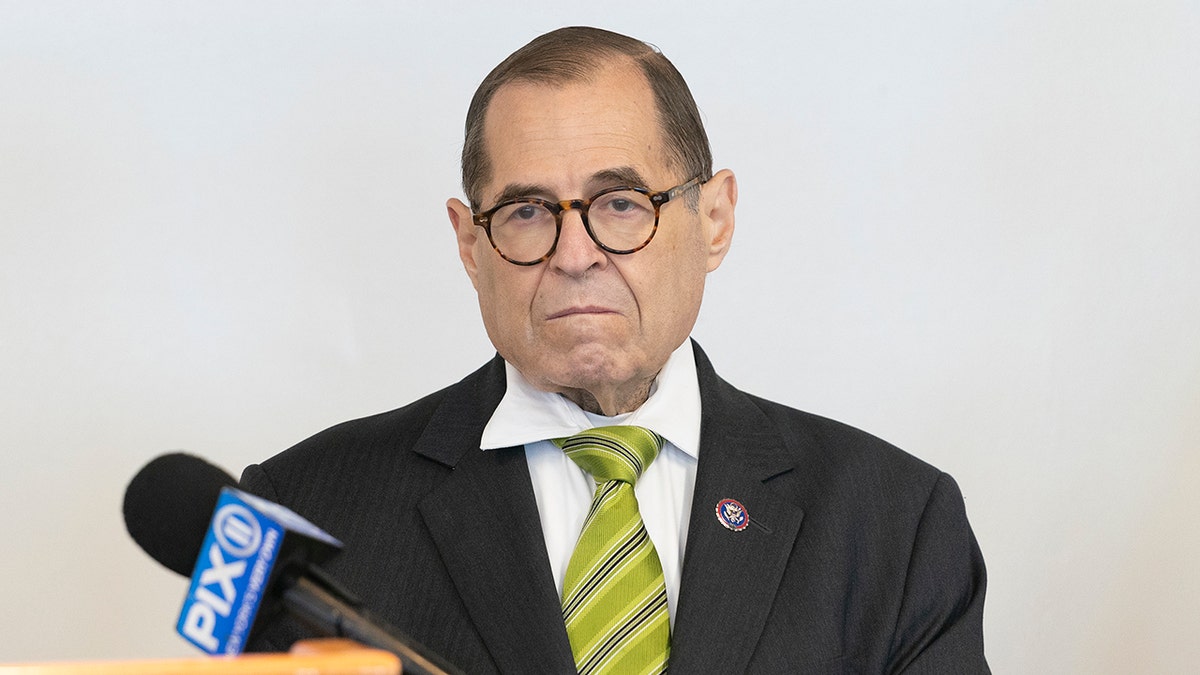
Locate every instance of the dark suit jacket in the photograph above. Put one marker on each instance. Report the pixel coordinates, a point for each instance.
(858, 558)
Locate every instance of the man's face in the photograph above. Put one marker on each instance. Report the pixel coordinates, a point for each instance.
(594, 326)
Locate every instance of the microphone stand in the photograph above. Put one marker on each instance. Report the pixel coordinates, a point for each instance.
(324, 606)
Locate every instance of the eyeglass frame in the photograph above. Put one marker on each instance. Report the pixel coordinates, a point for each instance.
(657, 198)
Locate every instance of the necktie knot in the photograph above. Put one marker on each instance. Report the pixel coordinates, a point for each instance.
(619, 453)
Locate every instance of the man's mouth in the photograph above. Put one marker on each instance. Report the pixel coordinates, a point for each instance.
(582, 310)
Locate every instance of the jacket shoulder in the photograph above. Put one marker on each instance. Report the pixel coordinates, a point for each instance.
(381, 441)
(830, 441)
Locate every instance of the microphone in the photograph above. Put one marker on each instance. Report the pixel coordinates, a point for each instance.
(246, 557)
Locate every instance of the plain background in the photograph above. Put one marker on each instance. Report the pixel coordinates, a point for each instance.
(970, 228)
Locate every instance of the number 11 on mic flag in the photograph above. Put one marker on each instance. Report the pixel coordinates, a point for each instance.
(237, 563)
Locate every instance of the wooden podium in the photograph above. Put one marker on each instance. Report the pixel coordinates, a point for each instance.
(308, 657)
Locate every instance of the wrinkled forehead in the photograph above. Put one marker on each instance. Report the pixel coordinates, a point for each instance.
(588, 124)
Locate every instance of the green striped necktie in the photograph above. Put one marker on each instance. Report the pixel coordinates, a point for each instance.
(614, 596)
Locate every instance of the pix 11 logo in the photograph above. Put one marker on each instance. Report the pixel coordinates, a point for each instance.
(227, 584)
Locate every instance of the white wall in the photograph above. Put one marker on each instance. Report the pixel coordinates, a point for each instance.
(971, 228)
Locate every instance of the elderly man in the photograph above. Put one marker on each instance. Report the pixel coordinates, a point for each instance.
(596, 497)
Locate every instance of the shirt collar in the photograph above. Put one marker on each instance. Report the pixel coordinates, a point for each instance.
(527, 415)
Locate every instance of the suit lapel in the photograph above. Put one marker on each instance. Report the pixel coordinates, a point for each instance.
(484, 521)
(730, 578)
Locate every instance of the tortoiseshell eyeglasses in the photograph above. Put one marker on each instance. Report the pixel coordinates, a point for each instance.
(620, 220)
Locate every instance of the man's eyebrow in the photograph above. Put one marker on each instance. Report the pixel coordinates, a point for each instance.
(621, 175)
(522, 190)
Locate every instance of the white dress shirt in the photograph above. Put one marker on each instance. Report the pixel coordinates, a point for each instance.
(530, 417)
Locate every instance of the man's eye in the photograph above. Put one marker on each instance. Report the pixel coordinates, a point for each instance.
(623, 205)
(526, 212)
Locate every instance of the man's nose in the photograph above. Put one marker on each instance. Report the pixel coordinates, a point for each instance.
(576, 251)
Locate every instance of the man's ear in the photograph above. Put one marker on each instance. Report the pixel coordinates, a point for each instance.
(718, 198)
(466, 232)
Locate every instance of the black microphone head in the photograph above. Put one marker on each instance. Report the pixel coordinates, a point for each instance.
(168, 506)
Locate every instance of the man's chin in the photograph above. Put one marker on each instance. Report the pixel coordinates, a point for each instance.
(592, 362)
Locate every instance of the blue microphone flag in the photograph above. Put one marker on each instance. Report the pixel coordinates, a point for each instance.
(248, 541)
